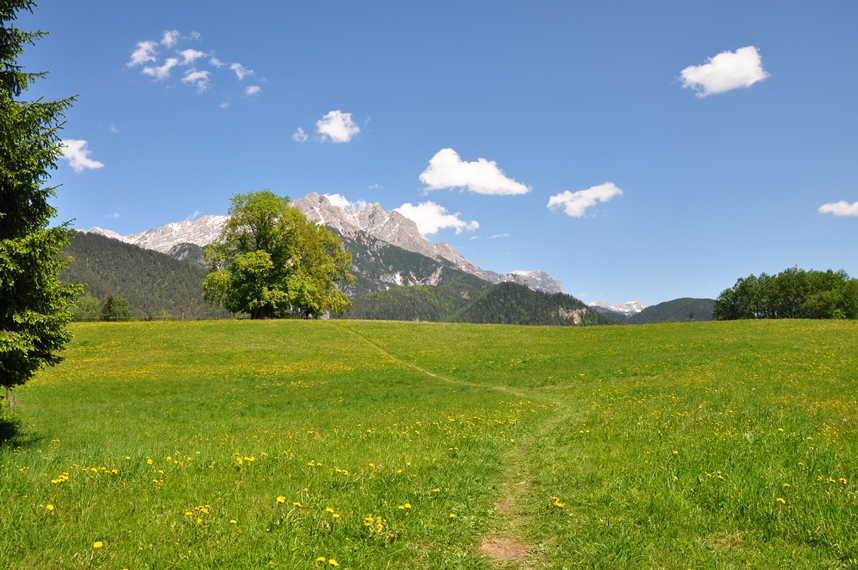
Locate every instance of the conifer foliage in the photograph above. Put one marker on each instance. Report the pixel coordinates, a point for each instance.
(34, 306)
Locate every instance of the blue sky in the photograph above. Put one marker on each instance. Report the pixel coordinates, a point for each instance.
(633, 150)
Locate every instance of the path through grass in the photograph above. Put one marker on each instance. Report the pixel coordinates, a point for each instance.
(374, 445)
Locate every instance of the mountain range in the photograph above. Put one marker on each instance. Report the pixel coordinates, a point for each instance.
(355, 226)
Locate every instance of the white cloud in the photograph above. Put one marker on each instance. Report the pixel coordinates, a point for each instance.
(497, 236)
(200, 79)
(170, 38)
(431, 217)
(341, 201)
(143, 53)
(189, 56)
(841, 208)
(77, 154)
(337, 126)
(224, 105)
(163, 71)
(726, 71)
(447, 170)
(575, 204)
(376, 187)
(300, 136)
(197, 67)
(240, 71)
(113, 128)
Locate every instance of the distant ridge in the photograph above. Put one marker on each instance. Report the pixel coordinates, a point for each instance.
(372, 220)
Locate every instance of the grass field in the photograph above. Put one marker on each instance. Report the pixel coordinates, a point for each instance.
(353, 444)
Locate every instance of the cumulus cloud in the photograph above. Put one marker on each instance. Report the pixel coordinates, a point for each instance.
(252, 90)
(342, 202)
(726, 71)
(448, 170)
(575, 204)
(337, 127)
(300, 136)
(841, 208)
(77, 154)
(431, 217)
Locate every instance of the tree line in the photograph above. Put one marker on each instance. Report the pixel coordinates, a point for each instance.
(791, 294)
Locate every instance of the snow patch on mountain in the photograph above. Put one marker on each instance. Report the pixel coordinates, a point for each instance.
(627, 309)
(390, 227)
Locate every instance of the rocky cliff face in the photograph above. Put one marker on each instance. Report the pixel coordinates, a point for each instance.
(389, 227)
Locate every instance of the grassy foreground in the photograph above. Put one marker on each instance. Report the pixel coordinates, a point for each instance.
(358, 444)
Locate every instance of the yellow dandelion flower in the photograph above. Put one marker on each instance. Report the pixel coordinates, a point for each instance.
(452, 515)
(97, 544)
(333, 562)
(781, 501)
(297, 504)
(843, 480)
(329, 509)
(233, 521)
(321, 559)
(281, 499)
(49, 506)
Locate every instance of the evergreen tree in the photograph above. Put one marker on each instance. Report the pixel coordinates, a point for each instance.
(116, 309)
(34, 306)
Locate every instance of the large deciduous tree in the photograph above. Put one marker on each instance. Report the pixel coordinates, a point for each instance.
(34, 306)
(271, 262)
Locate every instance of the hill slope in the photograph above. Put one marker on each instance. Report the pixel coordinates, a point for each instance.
(679, 310)
(152, 282)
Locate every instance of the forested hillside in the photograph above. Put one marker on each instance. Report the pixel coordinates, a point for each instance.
(155, 284)
(441, 302)
(678, 310)
(511, 303)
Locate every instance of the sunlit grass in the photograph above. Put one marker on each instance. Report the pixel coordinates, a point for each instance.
(291, 444)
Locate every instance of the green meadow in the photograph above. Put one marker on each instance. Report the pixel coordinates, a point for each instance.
(357, 444)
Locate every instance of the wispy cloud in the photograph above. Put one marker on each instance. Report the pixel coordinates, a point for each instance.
(200, 79)
(300, 136)
(431, 218)
(447, 170)
(77, 154)
(575, 204)
(143, 53)
(197, 66)
(841, 208)
(726, 71)
(338, 127)
(498, 236)
(163, 71)
(240, 71)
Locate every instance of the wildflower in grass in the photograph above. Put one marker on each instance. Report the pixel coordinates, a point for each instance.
(97, 544)
(297, 504)
(333, 562)
(781, 501)
(843, 480)
(329, 509)
(281, 499)
(233, 521)
(49, 507)
(452, 515)
(557, 503)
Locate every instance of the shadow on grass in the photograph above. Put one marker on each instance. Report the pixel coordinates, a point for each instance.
(11, 434)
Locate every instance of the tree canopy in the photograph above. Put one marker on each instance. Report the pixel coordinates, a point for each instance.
(34, 306)
(791, 294)
(271, 262)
